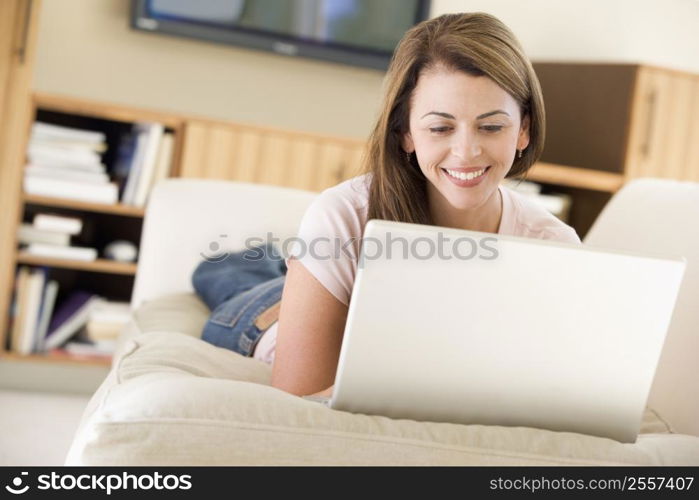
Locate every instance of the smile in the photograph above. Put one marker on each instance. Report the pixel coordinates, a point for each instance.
(465, 176)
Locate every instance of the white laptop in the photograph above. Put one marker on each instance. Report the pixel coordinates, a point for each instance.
(508, 331)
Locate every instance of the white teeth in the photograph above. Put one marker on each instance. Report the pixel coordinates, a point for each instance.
(464, 176)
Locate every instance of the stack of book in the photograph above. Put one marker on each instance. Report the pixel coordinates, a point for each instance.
(82, 323)
(49, 236)
(558, 204)
(98, 338)
(144, 158)
(32, 309)
(66, 162)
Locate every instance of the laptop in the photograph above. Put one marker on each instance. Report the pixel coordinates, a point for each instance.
(448, 325)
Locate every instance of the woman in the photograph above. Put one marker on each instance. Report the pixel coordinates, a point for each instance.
(462, 110)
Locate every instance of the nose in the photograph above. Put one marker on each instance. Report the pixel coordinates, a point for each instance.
(466, 146)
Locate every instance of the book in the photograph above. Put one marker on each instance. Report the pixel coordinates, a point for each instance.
(72, 315)
(68, 143)
(69, 174)
(61, 252)
(35, 288)
(20, 307)
(65, 155)
(27, 234)
(81, 191)
(49, 130)
(59, 223)
(69, 167)
(163, 163)
(47, 305)
(107, 320)
(104, 347)
(147, 142)
(148, 167)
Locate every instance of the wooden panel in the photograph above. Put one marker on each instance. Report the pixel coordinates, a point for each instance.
(194, 150)
(220, 155)
(14, 132)
(676, 121)
(303, 156)
(330, 165)
(247, 155)
(353, 164)
(692, 153)
(274, 158)
(105, 110)
(98, 265)
(582, 178)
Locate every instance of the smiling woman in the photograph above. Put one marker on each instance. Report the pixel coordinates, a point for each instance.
(462, 110)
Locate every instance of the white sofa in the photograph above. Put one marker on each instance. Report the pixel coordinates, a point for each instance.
(172, 399)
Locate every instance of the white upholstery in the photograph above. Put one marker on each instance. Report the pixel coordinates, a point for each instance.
(185, 216)
(659, 216)
(171, 398)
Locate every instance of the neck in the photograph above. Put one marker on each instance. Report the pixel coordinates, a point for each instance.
(484, 218)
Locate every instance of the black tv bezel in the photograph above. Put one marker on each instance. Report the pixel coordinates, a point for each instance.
(269, 42)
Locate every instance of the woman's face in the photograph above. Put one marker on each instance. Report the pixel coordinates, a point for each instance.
(463, 124)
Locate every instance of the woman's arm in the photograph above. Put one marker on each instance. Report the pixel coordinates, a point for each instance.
(309, 335)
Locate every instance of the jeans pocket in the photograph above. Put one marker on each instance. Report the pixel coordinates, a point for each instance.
(232, 325)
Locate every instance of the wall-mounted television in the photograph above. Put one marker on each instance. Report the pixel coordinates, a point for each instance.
(357, 32)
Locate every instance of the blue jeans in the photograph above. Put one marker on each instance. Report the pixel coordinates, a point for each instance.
(244, 292)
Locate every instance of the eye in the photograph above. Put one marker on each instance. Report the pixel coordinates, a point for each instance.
(492, 128)
(439, 130)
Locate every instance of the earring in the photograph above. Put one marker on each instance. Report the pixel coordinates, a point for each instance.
(407, 155)
(519, 153)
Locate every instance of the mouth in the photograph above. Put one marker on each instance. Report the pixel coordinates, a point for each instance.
(466, 179)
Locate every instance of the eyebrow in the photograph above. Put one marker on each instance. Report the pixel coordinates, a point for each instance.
(451, 117)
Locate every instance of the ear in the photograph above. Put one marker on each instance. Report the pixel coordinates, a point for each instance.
(407, 143)
(523, 139)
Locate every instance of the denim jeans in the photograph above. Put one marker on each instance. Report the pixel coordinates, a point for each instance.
(243, 291)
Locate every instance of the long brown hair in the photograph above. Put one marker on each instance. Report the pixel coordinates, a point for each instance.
(478, 44)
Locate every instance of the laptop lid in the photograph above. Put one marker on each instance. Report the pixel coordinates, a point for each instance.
(459, 326)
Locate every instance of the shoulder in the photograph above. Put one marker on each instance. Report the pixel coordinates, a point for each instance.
(347, 200)
(532, 220)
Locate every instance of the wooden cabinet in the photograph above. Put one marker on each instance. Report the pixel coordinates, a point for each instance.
(610, 123)
(634, 120)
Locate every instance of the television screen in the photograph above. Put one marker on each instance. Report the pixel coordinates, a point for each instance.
(358, 32)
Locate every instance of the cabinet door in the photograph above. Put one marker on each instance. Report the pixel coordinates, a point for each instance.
(661, 125)
(18, 28)
(233, 152)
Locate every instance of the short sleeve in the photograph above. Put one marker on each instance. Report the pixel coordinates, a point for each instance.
(563, 233)
(328, 242)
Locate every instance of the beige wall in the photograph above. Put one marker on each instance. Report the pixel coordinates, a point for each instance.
(86, 49)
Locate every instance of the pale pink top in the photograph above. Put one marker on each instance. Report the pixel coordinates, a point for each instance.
(340, 213)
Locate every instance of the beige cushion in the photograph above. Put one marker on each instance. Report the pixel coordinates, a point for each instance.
(173, 399)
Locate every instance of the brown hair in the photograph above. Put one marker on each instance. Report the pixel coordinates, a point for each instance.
(478, 44)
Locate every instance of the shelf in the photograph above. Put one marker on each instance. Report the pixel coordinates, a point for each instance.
(106, 111)
(56, 358)
(576, 177)
(97, 266)
(117, 209)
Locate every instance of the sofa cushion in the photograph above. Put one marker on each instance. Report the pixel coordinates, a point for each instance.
(172, 399)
